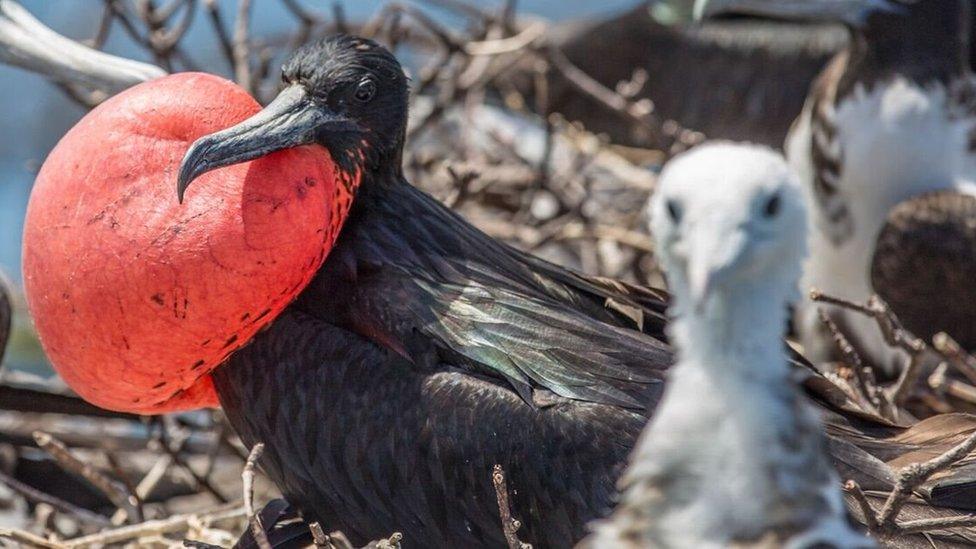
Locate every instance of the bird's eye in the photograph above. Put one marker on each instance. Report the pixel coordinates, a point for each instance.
(674, 211)
(365, 90)
(771, 208)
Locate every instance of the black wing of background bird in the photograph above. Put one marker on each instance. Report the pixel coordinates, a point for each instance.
(924, 265)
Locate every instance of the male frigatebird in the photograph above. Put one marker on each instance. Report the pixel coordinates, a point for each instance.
(395, 374)
(424, 352)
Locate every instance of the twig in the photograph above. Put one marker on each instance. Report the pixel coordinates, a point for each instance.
(891, 328)
(894, 334)
(929, 525)
(339, 17)
(216, 20)
(242, 52)
(319, 537)
(943, 385)
(915, 475)
(36, 496)
(132, 490)
(510, 525)
(172, 524)
(115, 491)
(174, 449)
(260, 536)
(854, 489)
(31, 540)
(164, 42)
(962, 361)
(864, 374)
(101, 34)
(909, 478)
(507, 45)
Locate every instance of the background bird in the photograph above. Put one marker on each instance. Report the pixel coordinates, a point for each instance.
(734, 453)
(884, 149)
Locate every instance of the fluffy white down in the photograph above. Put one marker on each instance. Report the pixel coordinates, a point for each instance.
(895, 141)
(714, 453)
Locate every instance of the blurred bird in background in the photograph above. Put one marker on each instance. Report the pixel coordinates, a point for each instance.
(885, 150)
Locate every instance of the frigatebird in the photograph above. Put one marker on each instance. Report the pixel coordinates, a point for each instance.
(420, 354)
(885, 149)
(424, 352)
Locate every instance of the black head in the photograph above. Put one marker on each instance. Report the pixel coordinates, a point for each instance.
(345, 93)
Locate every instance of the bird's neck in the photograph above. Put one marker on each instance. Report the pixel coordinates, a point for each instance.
(736, 334)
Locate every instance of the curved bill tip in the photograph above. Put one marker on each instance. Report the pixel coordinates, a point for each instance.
(288, 121)
(193, 166)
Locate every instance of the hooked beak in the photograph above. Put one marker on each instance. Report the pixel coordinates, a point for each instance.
(292, 119)
(849, 12)
(712, 257)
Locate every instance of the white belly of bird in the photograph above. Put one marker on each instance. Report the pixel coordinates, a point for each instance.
(896, 141)
(716, 446)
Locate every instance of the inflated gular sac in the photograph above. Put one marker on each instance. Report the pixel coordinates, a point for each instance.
(136, 297)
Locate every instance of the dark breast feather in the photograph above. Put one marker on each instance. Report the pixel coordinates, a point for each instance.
(365, 441)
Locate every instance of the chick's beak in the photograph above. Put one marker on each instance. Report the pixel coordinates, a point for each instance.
(712, 255)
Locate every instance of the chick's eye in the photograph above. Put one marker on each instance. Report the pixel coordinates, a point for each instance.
(674, 210)
(365, 90)
(771, 208)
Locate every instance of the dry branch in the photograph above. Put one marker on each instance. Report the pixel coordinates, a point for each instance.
(510, 525)
(883, 522)
(257, 529)
(114, 490)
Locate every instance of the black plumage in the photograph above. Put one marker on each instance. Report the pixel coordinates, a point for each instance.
(424, 352)
(924, 263)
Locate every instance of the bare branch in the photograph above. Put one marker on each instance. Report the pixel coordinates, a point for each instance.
(242, 46)
(27, 43)
(114, 490)
(257, 529)
(34, 495)
(913, 476)
(510, 525)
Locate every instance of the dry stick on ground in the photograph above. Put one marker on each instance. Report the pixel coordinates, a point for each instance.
(120, 514)
(943, 385)
(510, 525)
(866, 382)
(962, 361)
(641, 112)
(173, 445)
(37, 496)
(883, 522)
(894, 334)
(114, 490)
(175, 523)
(29, 539)
(260, 536)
